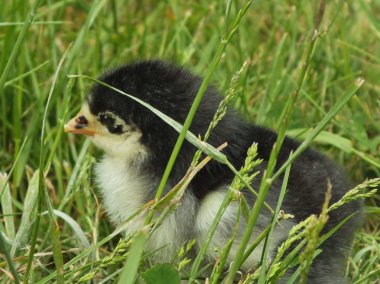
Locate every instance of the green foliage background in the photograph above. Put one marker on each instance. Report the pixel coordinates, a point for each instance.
(87, 37)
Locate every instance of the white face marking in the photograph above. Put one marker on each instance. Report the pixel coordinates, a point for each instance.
(126, 145)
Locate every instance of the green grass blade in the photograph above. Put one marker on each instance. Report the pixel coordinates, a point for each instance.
(7, 24)
(75, 173)
(76, 49)
(17, 46)
(348, 94)
(74, 225)
(202, 251)
(198, 99)
(43, 193)
(281, 197)
(27, 215)
(337, 141)
(294, 261)
(14, 165)
(12, 81)
(91, 249)
(371, 18)
(6, 205)
(54, 227)
(275, 77)
(266, 180)
(4, 250)
(128, 275)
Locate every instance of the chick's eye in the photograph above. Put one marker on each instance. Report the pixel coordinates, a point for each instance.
(106, 120)
(116, 129)
(110, 122)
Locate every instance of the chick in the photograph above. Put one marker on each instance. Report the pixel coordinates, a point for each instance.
(137, 146)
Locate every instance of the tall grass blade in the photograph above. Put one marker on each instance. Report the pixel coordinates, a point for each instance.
(6, 205)
(15, 51)
(43, 193)
(263, 260)
(74, 225)
(266, 180)
(128, 275)
(75, 173)
(12, 81)
(371, 18)
(337, 141)
(205, 244)
(28, 214)
(348, 94)
(198, 99)
(4, 250)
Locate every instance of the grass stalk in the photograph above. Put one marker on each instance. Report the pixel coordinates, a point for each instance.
(4, 250)
(205, 244)
(54, 227)
(197, 101)
(17, 46)
(347, 95)
(191, 115)
(266, 180)
(275, 217)
(137, 248)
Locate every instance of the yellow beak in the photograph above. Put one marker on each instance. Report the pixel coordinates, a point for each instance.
(80, 125)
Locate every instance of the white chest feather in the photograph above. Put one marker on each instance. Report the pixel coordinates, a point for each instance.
(123, 189)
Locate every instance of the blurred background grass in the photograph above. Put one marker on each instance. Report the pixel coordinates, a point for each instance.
(103, 34)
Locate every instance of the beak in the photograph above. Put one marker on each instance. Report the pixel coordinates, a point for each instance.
(80, 125)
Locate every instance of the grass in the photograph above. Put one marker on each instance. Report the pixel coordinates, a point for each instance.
(50, 172)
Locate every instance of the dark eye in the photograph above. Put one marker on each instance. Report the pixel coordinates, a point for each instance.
(116, 129)
(106, 120)
(109, 122)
